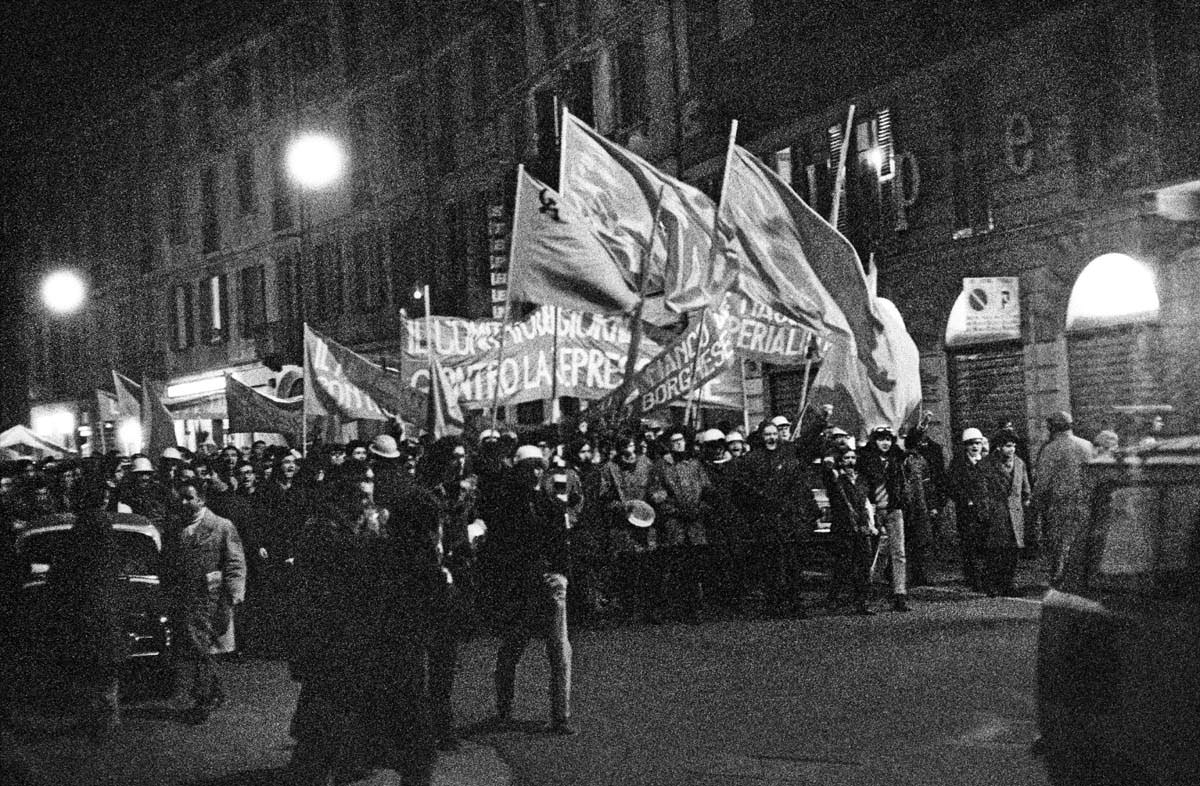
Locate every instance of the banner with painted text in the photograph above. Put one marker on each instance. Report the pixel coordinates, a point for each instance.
(252, 411)
(591, 352)
(340, 382)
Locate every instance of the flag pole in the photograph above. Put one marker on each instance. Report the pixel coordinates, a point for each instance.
(839, 182)
(712, 254)
(507, 306)
(554, 414)
(839, 185)
(635, 324)
(804, 383)
(745, 396)
(304, 402)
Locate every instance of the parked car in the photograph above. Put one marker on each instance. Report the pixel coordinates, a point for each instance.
(1118, 669)
(39, 633)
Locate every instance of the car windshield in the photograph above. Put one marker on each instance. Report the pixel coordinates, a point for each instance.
(137, 552)
(1151, 542)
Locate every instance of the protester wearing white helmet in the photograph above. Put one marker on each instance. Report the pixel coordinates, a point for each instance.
(966, 488)
(784, 425)
(735, 443)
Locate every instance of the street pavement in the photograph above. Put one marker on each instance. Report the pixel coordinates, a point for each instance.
(942, 694)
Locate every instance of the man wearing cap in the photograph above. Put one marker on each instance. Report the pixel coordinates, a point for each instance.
(525, 564)
(882, 466)
(784, 426)
(1059, 493)
(391, 479)
(966, 487)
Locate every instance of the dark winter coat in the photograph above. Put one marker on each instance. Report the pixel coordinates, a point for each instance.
(886, 470)
(86, 584)
(1008, 493)
(362, 648)
(677, 490)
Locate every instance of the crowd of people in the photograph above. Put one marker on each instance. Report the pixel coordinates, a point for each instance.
(366, 564)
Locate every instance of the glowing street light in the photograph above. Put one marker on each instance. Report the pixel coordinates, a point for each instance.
(63, 291)
(315, 161)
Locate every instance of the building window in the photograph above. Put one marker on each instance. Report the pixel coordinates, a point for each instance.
(281, 192)
(214, 310)
(180, 308)
(210, 215)
(325, 272)
(366, 272)
(253, 300)
(244, 166)
(403, 255)
(170, 118)
(177, 212)
(237, 87)
(631, 81)
(481, 76)
(360, 150)
(970, 166)
(351, 41)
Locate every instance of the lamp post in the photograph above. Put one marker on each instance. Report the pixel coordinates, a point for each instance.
(63, 293)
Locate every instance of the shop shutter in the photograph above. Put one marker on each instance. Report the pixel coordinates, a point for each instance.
(987, 387)
(1108, 368)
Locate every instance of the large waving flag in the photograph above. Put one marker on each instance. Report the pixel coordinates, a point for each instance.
(618, 193)
(793, 260)
(558, 260)
(158, 427)
(859, 404)
(250, 410)
(129, 397)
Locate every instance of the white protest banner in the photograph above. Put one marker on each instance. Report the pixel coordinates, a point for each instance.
(590, 358)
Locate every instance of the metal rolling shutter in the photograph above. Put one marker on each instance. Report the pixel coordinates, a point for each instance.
(786, 387)
(1108, 368)
(987, 387)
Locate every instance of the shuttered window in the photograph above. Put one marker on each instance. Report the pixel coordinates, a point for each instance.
(987, 387)
(1114, 367)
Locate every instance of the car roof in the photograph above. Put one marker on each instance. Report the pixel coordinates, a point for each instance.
(122, 522)
(1181, 451)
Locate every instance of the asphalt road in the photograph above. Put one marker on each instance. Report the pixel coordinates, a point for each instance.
(943, 695)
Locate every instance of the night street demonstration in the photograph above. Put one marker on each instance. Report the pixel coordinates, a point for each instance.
(600, 392)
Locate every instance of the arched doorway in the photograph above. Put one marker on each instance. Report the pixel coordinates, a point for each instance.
(1113, 342)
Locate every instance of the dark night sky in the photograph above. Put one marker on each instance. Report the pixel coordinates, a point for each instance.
(62, 64)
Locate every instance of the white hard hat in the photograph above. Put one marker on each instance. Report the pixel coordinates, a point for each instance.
(711, 435)
(780, 420)
(971, 435)
(172, 454)
(141, 464)
(639, 513)
(529, 453)
(734, 436)
(489, 433)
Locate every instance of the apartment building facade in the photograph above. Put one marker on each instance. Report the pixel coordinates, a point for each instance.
(1008, 149)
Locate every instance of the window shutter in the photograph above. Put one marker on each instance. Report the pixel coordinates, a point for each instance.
(223, 305)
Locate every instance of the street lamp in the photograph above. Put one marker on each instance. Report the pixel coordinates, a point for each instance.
(315, 161)
(63, 291)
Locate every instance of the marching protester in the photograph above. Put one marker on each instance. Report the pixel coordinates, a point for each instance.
(678, 485)
(526, 566)
(361, 647)
(625, 480)
(851, 528)
(881, 464)
(967, 489)
(207, 576)
(1007, 495)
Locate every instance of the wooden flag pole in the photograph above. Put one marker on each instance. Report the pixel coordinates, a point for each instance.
(554, 413)
(839, 185)
(712, 254)
(304, 403)
(635, 324)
